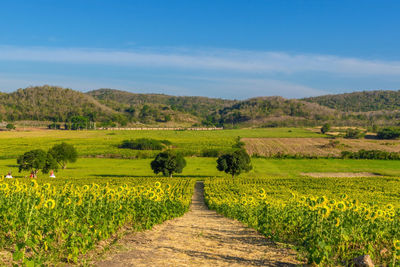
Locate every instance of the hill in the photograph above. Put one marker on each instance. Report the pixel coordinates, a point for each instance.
(51, 103)
(360, 101)
(111, 107)
(126, 101)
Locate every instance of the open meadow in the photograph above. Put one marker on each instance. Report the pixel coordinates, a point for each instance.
(60, 220)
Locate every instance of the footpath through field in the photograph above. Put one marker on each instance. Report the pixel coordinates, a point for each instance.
(199, 238)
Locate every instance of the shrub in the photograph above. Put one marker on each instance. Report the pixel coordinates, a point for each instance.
(145, 144)
(54, 125)
(325, 128)
(388, 133)
(10, 126)
(211, 152)
(371, 154)
(354, 134)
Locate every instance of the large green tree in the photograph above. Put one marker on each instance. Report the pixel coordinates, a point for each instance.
(64, 153)
(235, 162)
(168, 162)
(36, 160)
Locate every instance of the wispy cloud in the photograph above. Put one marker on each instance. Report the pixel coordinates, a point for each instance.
(182, 71)
(207, 59)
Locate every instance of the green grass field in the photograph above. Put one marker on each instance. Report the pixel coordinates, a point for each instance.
(86, 168)
(105, 143)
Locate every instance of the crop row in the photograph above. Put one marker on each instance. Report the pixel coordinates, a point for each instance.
(43, 224)
(328, 231)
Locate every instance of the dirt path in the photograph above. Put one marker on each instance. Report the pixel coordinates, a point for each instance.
(199, 238)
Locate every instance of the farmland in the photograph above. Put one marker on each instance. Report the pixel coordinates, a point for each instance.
(106, 178)
(329, 229)
(318, 147)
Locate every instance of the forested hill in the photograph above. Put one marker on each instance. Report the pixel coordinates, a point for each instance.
(110, 107)
(194, 105)
(50, 103)
(360, 101)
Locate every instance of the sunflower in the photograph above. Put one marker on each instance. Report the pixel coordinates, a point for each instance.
(396, 244)
(46, 186)
(80, 201)
(67, 201)
(157, 184)
(337, 222)
(341, 206)
(40, 204)
(325, 211)
(50, 203)
(321, 200)
(34, 184)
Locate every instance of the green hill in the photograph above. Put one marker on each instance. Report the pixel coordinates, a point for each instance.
(194, 105)
(360, 101)
(110, 107)
(51, 103)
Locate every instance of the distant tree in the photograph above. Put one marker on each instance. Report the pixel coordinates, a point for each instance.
(10, 127)
(238, 144)
(80, 123)
(145, 144)
(54, 125)
(36, 160)
(325, 128)
(235, 162)
(353, 134)
(388, 133)
(168, 162)
(64, 153)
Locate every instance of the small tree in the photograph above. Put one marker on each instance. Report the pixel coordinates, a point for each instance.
(64, 153)
(325, 128)
(168, 162)
(36, 160)
(353, 134)
(10, 126)
(238, 144)
(235, 162)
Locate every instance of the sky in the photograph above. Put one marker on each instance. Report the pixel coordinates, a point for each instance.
(227, 49)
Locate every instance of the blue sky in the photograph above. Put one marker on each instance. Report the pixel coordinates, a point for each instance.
(229, 49)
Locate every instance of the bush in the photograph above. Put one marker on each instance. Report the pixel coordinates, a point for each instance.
(371, 154)
(145, 144)
(10, 126)
(389, 133)
(325, 128)
(354, 134)
(54, 125)
(211, 152)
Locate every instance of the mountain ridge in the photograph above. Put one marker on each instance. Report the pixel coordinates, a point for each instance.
(116, 107)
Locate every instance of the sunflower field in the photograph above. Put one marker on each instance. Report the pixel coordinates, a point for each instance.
(45, 223)
(328, 231)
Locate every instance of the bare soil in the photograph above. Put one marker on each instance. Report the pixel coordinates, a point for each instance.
(315, 146)
(199, 238)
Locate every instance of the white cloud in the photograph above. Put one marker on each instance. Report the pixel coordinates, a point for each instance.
(207, 59)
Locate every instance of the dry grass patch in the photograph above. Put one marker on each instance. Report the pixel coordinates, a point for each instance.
(321, 147)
